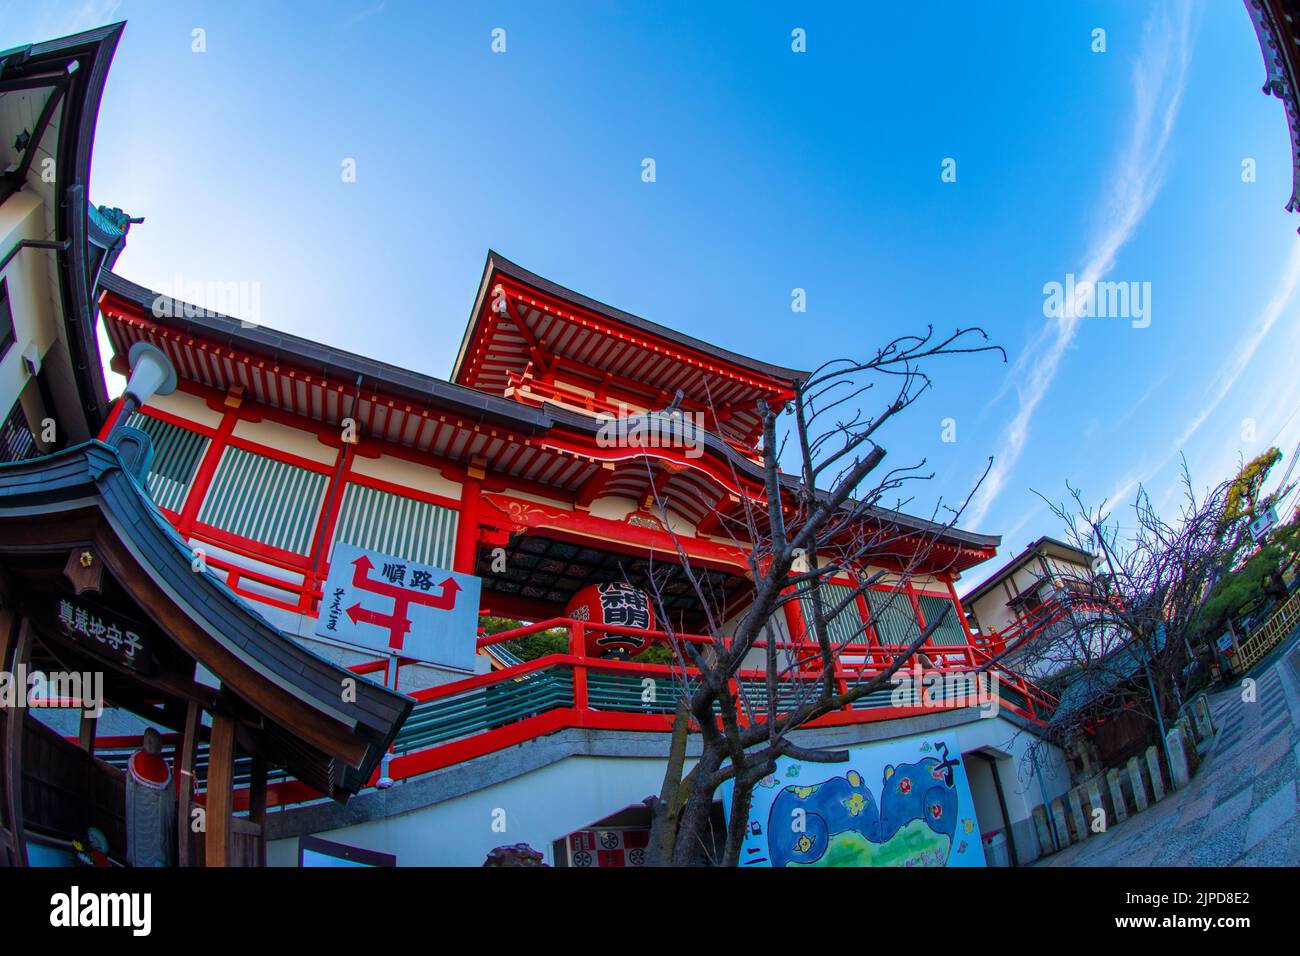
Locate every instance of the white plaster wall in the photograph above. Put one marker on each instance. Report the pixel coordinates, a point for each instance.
(408, 474)
(1020, 782)
(544, 805)
(292, 441)
(613, 507)
(537, 808)
(186, 406)
(27, 276)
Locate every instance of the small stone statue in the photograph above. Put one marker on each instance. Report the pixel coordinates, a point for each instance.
(518, 854)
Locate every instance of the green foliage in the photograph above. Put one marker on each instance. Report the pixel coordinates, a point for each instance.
(1262, 579)
(1243, 493)
(531, 646)
(655, 654)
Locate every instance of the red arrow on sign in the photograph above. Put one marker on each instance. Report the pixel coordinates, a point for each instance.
(397, 623)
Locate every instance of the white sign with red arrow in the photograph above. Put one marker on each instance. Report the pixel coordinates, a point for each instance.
(388, 604)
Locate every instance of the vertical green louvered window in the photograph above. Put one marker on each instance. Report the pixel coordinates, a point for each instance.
(394, 524)
(176, 455)
(846, 627)
(257, 497)
(950, 631)
(892, 617)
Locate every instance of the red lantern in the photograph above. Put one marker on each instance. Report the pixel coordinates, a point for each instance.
(619, 604)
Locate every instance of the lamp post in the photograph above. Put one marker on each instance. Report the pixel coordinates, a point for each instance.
(152, 373)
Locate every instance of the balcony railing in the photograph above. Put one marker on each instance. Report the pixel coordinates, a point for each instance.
(16, 440)
(479, 715)
(471, 717)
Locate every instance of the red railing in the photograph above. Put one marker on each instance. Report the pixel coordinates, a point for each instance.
(856, 663)
(479, 715)
(587, 695)
(1029, 627)
(299, 598)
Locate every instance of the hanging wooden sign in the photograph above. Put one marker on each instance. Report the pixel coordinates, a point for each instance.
(105, 632)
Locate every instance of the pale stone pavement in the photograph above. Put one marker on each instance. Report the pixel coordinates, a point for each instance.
(1240, 807)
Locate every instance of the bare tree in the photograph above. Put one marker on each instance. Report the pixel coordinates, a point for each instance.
(828, 520)
(1133, 620)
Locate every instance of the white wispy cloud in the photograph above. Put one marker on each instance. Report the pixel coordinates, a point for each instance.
(1225, 379)
(1159, 78)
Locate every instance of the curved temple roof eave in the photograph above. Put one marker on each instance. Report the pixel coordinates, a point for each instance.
(92, 473)
(536, 421)
(92, 52)
(498, 264)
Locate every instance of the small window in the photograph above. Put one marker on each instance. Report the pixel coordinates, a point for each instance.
(7, 335)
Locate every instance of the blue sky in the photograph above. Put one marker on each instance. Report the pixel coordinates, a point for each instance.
(775, 170)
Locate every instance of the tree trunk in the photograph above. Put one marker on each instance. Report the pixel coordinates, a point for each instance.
(666, 809)
(742, 795)
(693, 838)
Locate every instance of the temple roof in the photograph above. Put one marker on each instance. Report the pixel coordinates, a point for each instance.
(1277, 25)
(84, 498)
(430, 414)
(524, 325)
(499, 264)
(327, 362)
(49, 103)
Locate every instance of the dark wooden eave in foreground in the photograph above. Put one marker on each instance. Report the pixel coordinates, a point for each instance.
(75, 69)
(1277, 25)
(289, 701)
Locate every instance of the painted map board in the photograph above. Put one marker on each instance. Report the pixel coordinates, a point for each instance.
(394, 606)
(902, 802)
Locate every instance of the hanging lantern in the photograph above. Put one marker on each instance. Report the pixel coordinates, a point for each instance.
(619, 604)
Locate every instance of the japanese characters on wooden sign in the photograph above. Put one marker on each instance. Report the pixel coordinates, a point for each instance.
(388, 604)
(105, 632)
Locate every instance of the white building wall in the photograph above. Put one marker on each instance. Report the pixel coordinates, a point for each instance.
(27, 276)
(544, 805)
(536, 808)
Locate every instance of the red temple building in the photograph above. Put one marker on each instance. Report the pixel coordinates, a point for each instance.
(286, 519)
(501, 474)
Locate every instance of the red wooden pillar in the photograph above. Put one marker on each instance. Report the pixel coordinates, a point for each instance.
(184, 766)
(324, 533)
(467, 524)
(221, 783)
(578, 648)
(794, 623)
(203, 477)
(965, 624)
